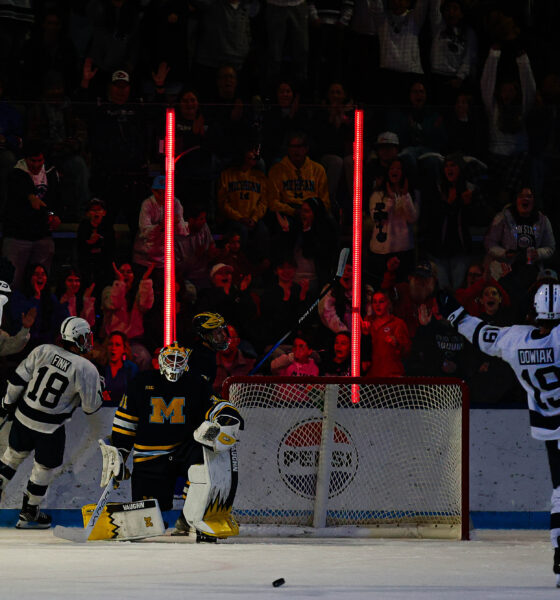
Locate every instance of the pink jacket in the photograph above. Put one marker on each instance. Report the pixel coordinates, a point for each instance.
(116, 315)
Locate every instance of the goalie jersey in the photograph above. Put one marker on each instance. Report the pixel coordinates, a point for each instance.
(157, 416)
(535, 359)
(54, 382)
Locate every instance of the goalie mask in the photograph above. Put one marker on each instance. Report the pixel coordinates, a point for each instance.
(547, 302)
(173, 361)
(212, 328)
(77, 331)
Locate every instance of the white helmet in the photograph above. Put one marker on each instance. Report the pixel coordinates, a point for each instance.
(4, 288)
(547, 302)
(77, 331)
(173, 361)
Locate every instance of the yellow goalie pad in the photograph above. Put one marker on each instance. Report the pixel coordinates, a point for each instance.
(211, 493)
(126, 520)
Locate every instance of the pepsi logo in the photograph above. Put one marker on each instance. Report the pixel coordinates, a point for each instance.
(298, 458)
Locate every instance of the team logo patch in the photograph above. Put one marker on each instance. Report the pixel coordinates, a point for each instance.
(298, 459)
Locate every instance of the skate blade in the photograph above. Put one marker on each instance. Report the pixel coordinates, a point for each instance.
(27, 525)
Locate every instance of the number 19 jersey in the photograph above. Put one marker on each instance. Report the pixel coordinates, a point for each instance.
(535, 360)
(56, 382)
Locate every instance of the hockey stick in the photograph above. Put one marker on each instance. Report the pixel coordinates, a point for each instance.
(340, 270)
(75, 534)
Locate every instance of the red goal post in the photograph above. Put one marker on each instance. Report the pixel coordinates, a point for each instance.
(384, 457)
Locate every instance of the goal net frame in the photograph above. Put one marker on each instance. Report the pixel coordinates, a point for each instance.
(352, 456)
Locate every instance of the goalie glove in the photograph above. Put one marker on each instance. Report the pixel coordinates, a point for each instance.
(449, 308)
(113, 464)
(218, 435)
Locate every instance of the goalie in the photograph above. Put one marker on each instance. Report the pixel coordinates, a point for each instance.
(173, 425)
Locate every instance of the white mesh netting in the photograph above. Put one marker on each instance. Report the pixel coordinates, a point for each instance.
(394, 457)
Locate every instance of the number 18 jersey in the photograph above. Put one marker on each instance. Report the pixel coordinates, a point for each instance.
(535, 360)
(56, 382)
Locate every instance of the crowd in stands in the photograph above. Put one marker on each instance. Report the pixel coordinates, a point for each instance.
(460, 176)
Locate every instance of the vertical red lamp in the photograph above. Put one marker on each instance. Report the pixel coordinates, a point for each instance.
(169, 252)
(357, 248)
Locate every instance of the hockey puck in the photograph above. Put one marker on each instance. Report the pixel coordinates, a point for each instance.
(278, 582)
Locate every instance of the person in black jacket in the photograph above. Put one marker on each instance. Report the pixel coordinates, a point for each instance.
(32, 194)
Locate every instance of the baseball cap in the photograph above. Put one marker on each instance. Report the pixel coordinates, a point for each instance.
(120, 76)
(547, 274)
(423, 269)
(158, 183)
(219, 267)
(387, 138)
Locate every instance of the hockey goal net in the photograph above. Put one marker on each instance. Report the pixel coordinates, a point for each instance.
(353, 456)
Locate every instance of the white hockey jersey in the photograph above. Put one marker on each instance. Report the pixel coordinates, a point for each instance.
(54, 383)
(535, 360)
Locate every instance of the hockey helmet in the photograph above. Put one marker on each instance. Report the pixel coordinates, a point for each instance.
(547, 302)
(77, 331)
(173, 361)
(212, 328)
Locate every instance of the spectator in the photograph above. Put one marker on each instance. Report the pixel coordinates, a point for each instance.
(328, 37)
(287, 21)
(421, 131)
(233, 255)
(150, 239)
(282, 302)
(281, 118)
(294, 179)
(197, 250)
(298, 362)
(234, 303)
(115, 365)
(95, 245)
(453, 52)
(79, 302)
(119, 143)
(116, 34)
(50, 312)
(338, 362)
(507, 106)
(54, 119)
(476, 280)
(333, 135)
(195, 171)
(313, 241)
(393, 213)
(335, 308)
(408, 296)
(124, 305)
(224, 37)
(399, 29)
(466, 130)
(377, 165)
(520, 236)
(243, 197)
(29, 216)
(390, 340)
(231, 361)
(48, 49)
(449, 211)
(16, 18)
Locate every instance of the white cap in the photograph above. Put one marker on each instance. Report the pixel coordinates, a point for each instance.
(219, 267)
(387, 138)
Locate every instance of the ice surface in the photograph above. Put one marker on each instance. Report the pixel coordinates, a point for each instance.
(494, 565)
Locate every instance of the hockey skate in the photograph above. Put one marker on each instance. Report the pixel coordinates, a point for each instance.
(181, 526)
(31, 517)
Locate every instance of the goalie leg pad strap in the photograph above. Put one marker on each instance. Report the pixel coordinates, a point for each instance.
(211, 492)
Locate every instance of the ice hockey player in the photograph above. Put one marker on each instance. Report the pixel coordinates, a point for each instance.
(211, 336)
(15, 343)
(533, 352)
(167, 419)
(42, 394)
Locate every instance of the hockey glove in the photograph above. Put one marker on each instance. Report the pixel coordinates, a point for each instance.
(113, 464)
(7, 411)
(220, 435)
(449, 308)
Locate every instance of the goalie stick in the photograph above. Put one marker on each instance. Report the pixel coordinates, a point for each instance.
(343, 257)
(76, 534)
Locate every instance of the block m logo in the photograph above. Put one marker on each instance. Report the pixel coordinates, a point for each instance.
(172, 412)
